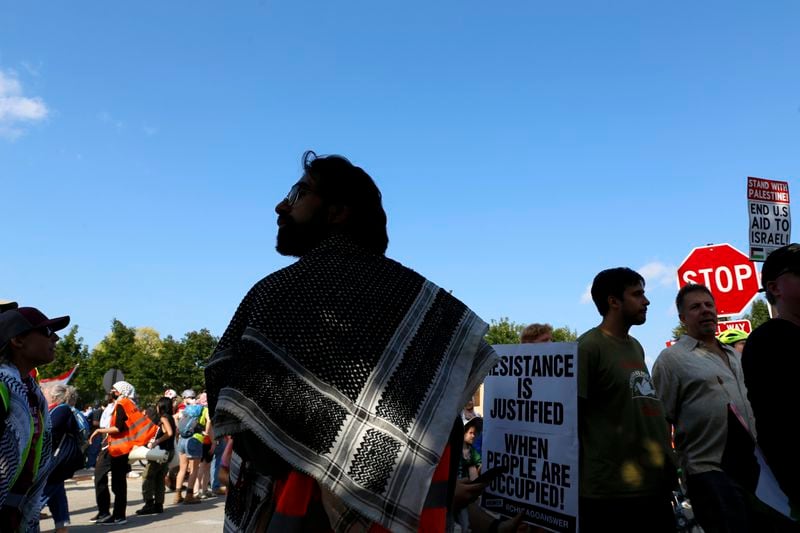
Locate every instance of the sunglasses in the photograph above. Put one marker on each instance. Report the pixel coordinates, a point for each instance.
(46, 331)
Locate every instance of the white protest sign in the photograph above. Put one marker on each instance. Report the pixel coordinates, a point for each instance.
(770, 219)
(531, 426)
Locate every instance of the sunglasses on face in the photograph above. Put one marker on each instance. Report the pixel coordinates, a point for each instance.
(46, 331)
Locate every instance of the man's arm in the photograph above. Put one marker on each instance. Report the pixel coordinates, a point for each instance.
(666, 383)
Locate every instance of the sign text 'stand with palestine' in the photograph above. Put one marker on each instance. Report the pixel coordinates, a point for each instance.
(770, 219)
(531, 427)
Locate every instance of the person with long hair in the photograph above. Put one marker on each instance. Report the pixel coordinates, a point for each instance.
(190, 449)
(153, 487)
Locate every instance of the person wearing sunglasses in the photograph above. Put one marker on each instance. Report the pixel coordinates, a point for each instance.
(771, 364)
(27, 340)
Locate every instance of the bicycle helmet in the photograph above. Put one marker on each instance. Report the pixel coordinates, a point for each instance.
(732, 336)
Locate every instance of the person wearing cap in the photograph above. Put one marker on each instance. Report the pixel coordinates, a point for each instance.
(735, 338)
(27, 340)
(190, 450)
(771, 362)
(696, 379)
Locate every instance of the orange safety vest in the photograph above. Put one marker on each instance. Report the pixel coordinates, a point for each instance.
(140, 429)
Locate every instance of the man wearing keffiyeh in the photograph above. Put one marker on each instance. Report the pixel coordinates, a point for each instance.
(340, 376)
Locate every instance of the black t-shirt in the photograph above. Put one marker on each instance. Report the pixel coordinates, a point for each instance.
(168, 444)
(120, 422)
(771, 364)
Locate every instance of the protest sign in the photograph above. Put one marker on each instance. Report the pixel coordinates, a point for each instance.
(531, 427)
(770, 219)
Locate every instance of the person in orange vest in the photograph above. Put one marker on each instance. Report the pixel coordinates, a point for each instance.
(129, 427)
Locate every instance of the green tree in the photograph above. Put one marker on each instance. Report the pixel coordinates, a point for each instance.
(179, 364)
(70, 351)
(118, 349)
(504, 331)
(146, 373)
(759, 313)
(564, 334)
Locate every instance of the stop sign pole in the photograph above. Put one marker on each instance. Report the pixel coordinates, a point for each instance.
(728, 273)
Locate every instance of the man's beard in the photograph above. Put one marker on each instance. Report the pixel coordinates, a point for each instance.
(635, 319)
(298, 238)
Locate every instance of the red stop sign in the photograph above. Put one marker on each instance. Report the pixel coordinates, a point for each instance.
(727, 272)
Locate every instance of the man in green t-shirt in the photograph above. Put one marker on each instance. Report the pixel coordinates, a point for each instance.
(624, 463)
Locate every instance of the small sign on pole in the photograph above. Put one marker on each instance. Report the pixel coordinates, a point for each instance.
(770, 219)
(743, 325)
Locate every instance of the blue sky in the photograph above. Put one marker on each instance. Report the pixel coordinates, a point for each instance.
(521, 146)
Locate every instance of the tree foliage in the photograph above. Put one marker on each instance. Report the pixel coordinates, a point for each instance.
(504, 331)
(759, 313)
(564, 334)
(70, 351)
(149, 363)
(678, 331)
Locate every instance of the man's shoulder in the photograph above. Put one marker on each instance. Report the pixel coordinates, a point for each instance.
(769, 340)
(772, 328)
(679, 348)
(595, 338)
(590, 337)
(670, 356)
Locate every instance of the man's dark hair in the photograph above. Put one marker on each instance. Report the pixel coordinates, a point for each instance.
(688, 289)
(340, 182)
(613, 282)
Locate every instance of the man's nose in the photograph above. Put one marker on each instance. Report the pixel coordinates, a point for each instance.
(283, 207)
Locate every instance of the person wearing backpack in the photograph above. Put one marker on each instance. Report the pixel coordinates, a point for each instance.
(153, 487)
(27, 340)
(190, 448)
(67, 455)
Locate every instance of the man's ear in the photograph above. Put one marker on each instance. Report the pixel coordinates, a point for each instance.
(613, 302)
(17, 342)
(772, 288)
(338, 214)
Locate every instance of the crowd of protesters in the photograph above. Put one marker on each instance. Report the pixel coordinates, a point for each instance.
(339, 398)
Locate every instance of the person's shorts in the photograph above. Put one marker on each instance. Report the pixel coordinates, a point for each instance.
(191, 447)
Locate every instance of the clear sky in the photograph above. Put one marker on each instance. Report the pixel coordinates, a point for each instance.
(521, 146)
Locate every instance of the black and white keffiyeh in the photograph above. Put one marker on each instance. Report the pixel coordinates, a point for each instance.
(351, 368)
